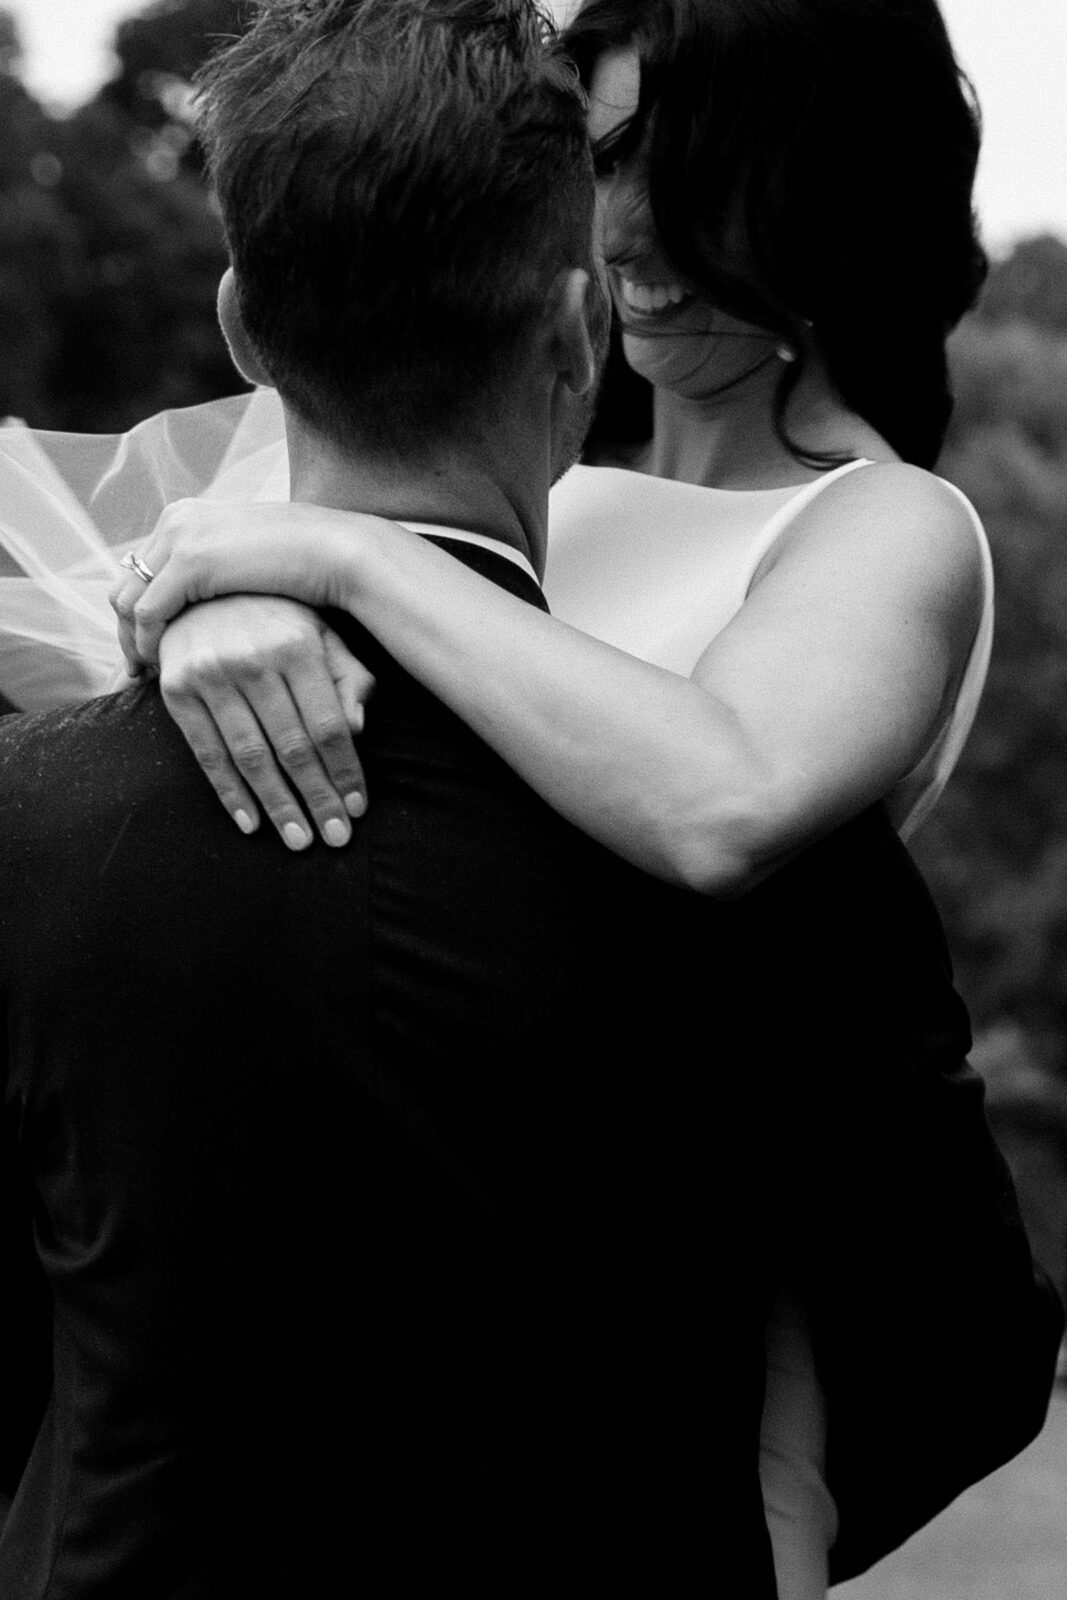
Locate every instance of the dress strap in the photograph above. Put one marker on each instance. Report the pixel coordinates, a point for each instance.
(920, 789)
(786, 515)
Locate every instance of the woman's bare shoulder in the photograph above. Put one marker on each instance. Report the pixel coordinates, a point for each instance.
(885, 541)
(892, 514)
(898, 488)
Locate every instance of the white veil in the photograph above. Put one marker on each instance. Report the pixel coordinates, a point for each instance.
(71, 504)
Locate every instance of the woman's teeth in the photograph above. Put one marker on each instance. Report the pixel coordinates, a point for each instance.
(646, 297)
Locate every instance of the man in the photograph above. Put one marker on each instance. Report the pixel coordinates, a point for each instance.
(369, 1242)
(408, 1214)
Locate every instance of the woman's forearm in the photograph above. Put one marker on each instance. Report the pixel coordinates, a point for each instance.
(643, 760)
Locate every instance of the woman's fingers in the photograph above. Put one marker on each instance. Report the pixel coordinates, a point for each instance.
(208, 745)
(124, 595)
(146, 600)
(246, 754)
(330, 749)
(354, 684)
(158, 603)
(286, 750)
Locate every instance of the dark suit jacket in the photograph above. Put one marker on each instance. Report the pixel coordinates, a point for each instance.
(367, 1229)
(406, 1215)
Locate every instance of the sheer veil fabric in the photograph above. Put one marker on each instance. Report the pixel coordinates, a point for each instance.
(71, 504)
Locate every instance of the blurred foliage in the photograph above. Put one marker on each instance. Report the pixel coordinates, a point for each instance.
(996, 848)
(159, 50)
(10, 43)
(110, 253)
(110, 250)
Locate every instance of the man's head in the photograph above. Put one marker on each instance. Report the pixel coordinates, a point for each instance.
(405, 185)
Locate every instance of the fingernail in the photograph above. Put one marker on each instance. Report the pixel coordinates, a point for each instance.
(295, 836)
(244, 822)
(336, 832)
(355, 803)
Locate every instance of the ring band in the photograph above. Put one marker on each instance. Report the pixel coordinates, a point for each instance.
(133, 563)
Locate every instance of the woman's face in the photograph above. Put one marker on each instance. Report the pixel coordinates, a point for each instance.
(672, 335)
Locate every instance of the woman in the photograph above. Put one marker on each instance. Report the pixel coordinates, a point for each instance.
(761, 199)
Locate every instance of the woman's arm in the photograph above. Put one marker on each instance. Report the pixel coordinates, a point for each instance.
(815, 700)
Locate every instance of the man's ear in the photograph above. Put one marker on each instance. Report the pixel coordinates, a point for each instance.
(572, 330)
(242, 353)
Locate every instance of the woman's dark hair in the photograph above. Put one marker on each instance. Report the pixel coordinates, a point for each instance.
(811, 162)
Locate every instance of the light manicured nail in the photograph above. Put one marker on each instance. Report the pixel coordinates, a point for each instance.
(295, 836)
(336, 832)
(355, 803)
(244, 822)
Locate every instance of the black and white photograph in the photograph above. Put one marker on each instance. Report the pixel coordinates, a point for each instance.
(533, 799)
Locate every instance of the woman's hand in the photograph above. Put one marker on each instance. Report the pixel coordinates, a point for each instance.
(202, 548)
(264, 691)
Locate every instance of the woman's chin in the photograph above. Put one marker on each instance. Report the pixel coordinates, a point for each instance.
(677, 362)
(688, 365)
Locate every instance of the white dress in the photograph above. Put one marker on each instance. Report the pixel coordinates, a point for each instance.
(656, 568)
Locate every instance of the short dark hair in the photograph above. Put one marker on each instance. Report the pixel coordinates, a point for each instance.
(812, 162)
(400, 182)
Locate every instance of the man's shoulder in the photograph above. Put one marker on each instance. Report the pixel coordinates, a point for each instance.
(69, 729)
(53, 760)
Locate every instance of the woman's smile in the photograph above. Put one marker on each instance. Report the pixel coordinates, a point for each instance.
(674, 336)
(651, 298)
(645, 298)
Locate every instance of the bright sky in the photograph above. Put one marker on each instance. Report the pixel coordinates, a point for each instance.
(1015, 50)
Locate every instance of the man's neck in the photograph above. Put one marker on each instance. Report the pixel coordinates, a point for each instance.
(448, 492)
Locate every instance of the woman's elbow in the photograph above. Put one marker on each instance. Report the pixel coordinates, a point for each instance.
(723, 855)
(719, 874)
(736, 844)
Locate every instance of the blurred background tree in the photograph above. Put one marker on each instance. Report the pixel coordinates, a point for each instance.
(110, 249)
(159, 51)
(1004, 817)
(110, 252)
(995, 850)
